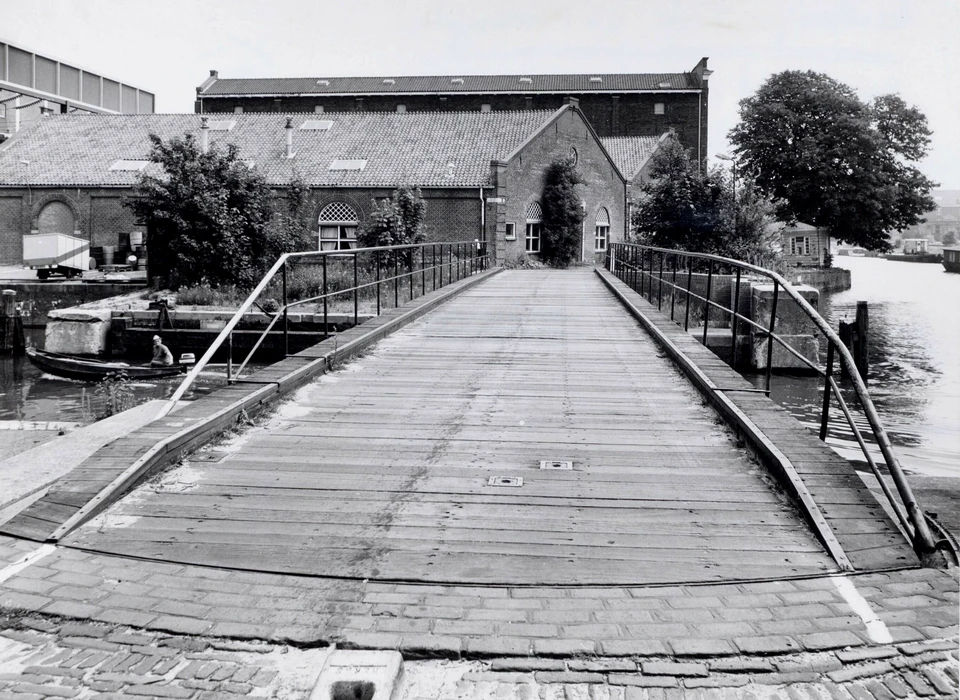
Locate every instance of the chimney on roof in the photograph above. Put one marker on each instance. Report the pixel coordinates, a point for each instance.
(204, 134)
(45, 109)
(289, 129)
(572, 101)
(214, 74)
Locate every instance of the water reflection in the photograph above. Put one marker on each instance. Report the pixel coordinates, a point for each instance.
(28, 394)
(914, 376)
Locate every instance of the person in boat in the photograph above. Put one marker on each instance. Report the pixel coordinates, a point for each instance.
(161, 354)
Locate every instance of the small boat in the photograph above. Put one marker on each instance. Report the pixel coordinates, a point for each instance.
(93, 370)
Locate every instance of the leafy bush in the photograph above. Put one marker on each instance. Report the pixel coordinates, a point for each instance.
(562, 214)
(211, 218)
(395, 221)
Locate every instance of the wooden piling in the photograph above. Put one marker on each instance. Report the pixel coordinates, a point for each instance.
(11, 325)
(856, 337)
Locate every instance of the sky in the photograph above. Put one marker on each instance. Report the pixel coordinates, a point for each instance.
(168, 47)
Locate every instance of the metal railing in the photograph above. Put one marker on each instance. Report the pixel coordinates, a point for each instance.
(644, 267)
(408, 269)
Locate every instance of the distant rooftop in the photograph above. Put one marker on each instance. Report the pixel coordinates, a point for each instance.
(438, 149)
(215, 86)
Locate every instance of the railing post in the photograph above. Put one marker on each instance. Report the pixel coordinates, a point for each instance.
(423, 271)
(650, 280)
(660, 286)
(433, 265)
(326, 305)
(825, 415)
(356, 292)
(410, 269)
(773, 321)
(734, 322)
(286, 326)
(686, 311)
(230, 358)
(396, 279)
(706, 304)
(377, 262)
(673, 291)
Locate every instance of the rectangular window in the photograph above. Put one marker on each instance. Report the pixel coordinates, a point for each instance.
(485, 107)
(401, 109)
(338, 237)
(800, 245)
(533, 237)
(511, 231)
(318, 109)
(601, 236)
(238, 110)
(658, 108)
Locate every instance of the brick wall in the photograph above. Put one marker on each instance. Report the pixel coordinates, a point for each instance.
(97, 215)
(522, 179)
(610, 115)
(11, 229)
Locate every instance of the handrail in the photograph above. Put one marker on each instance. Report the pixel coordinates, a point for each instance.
(477, 258)
(630, 259)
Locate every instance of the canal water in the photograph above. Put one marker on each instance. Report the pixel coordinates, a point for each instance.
(27, 394)
(914, 372)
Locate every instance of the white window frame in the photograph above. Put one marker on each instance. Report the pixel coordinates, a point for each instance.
(531, 240)
(659, 108)
(601, 237)
(534, 230)
(800, 245)
(510, 231)
(339, 234)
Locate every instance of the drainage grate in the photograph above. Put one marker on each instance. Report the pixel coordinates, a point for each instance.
(210, 457)
(555, 464)
(359, 675)
(505, 481)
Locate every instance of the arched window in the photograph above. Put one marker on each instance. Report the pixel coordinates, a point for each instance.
(534, 223)
(56, 217)
(338, 227)
(601, 230)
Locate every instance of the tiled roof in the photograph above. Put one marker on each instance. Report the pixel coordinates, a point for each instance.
(432, 84)
(438, 149)
(630, 153)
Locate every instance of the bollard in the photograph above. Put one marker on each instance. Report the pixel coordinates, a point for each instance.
(855, 337)
(11, 325)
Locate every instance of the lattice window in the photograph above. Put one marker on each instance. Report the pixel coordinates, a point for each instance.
(534, 224)
(601, 230)
(338, 213)
(338, 227)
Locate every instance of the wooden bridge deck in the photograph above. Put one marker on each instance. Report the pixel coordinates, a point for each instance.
(381, 471)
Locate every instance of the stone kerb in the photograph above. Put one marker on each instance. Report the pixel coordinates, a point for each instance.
(792, 325)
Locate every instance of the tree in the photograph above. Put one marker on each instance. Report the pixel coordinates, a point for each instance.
(714, 212)
(949, 238)
(834, 161)
(563, 213)
(398, 220)
(211, 218)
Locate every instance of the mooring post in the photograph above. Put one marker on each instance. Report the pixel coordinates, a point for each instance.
(861, 340)
(11, 326)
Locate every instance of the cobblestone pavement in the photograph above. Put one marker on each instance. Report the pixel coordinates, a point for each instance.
(81, 624)
(42, 657)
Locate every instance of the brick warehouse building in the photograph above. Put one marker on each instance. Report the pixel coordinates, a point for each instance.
(620, 104)
(481, 173)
